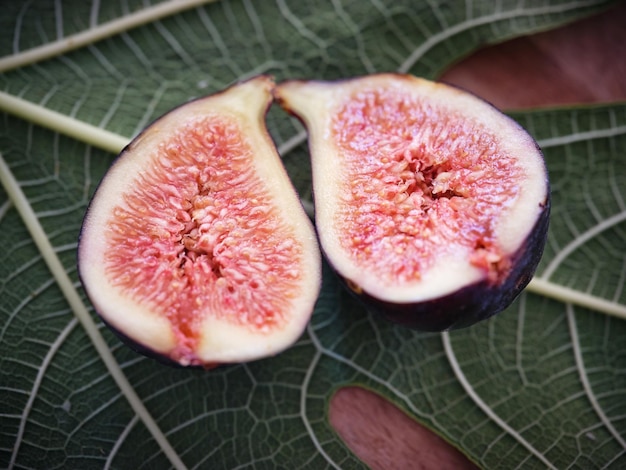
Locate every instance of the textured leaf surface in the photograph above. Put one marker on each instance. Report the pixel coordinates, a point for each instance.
(541, 385)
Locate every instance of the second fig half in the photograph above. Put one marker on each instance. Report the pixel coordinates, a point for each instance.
(430, 204)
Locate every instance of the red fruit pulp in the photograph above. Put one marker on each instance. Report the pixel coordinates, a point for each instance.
(419, 181)
(198, 236)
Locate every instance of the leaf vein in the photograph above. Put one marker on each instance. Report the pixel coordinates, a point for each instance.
(120, 440)
(441, 36)
(43, 368)
(467, 386)
(105, 30)
(584, 379)
(303, 398)
(580, 241)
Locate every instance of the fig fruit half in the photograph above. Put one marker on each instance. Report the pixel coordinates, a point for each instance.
(195, 247)
(430, 204)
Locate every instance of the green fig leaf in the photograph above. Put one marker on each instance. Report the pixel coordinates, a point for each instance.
(541, 385)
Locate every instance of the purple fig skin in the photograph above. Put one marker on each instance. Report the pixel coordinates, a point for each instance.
(470, 304)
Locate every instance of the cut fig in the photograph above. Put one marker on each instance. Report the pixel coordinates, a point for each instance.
(195, 247)
(431, 205)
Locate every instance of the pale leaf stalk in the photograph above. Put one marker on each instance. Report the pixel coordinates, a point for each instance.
(62, 124)
(572, 296)
(42, 242)
(97, 33)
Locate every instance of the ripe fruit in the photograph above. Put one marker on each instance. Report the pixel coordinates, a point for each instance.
(430, 204)
(195, 247)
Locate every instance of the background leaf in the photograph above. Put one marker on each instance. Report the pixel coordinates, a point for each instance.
(540, 385)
